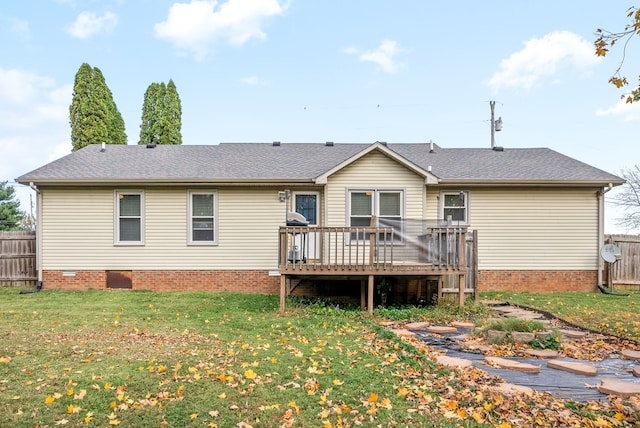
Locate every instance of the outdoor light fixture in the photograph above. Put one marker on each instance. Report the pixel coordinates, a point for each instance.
(283, 196)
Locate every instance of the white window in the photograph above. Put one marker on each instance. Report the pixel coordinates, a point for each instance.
(386, 205)
(456, 205)
(202, 217)
(129, 209)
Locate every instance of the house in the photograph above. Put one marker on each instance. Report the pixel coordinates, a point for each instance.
(214, 217)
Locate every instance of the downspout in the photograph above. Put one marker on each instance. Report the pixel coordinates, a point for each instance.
(38, 232)
(600, 195)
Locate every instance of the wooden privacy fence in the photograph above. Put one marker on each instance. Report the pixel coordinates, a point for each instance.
(18, 258)
(625, 271)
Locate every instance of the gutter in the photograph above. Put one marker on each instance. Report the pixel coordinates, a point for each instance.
(508, 182)
(600, 195)
(81, 182)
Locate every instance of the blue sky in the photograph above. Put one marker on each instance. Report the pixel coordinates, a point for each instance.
(348, 71)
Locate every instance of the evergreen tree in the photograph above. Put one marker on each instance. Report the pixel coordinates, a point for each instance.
(115, 124)
(161, 115)
(150, 128)
(93, 114)
(173, 112)
(10, 213)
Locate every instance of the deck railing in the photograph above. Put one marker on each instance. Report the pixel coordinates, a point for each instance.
(370, 249)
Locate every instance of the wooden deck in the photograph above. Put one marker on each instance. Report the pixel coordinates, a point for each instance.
(369, 252)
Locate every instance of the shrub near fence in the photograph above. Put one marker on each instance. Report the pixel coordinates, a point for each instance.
(18, 258)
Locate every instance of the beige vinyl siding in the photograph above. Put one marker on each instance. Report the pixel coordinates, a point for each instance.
(78, 230)
(532, 228)
(374, 171)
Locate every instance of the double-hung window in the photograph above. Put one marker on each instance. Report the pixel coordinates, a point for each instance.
(129, 217)
(386, 205)
(202, 217)
(456, 206)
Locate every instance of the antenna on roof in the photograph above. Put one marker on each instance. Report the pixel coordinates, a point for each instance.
(496, 125)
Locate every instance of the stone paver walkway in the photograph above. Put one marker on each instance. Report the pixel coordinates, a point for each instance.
(573, 367)
(505, 363)
(618, 387)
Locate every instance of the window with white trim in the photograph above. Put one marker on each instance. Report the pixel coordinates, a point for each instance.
(202, 217)
(455, 204)
(386, 205)
(129, 217)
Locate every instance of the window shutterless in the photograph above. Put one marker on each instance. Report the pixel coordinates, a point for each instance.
(129, 208)
(202, 217)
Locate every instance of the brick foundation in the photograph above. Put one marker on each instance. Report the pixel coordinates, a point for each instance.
(538, 281)
(251, 281)
(259, 282)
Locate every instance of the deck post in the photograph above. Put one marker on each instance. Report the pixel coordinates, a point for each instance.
(474, 264)
(461, 289)
(363, 294)
(462, 249)
(283, 292)
(370, 296)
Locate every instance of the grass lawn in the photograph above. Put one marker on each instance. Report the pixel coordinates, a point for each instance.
(138, 359)
(609, 314)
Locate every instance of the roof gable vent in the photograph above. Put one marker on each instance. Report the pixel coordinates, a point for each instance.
(329, 144)
(151, 146)
(276, 144)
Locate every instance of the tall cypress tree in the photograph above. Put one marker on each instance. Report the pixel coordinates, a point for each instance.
(161, 115)
(150, 128)
(173, 112)
(115, 124)
(93, 114)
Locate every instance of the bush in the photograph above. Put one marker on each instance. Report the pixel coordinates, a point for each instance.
(514, 324)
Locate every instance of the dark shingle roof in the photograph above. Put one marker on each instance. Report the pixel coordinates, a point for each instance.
(237, 162)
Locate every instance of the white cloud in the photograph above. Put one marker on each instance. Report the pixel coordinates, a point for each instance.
(541, 58)
(194, 26)
(17, 27)
(19, 87)
(628, 111)
(250, 80)
(88, 23)
(34, 121)
(385, 56)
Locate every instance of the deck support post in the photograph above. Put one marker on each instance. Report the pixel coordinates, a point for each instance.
(363, 295)
(283, 292)
(370, 296)
(461, 289)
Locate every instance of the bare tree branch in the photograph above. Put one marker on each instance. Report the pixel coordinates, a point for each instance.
(629, 199)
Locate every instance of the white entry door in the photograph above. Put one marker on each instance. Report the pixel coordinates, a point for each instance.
(308, 204)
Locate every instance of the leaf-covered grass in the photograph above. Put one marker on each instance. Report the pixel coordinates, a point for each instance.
(100, 358)
(609, 314)
(139, 359)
